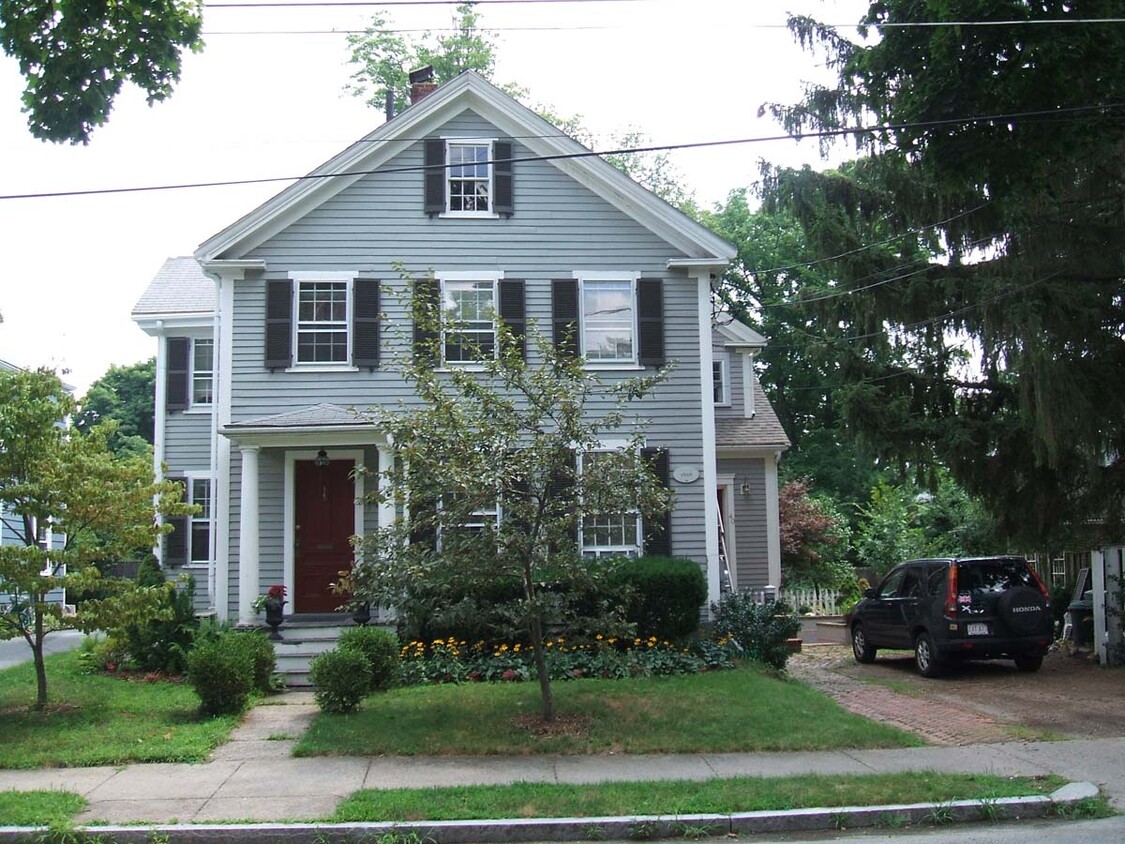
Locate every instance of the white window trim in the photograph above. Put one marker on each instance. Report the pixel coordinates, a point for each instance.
(471, 215)
(305, 277)
(637, 549)
(189, 493)
(193, 405)
(492, 276)
(584, 277)
(723, 360)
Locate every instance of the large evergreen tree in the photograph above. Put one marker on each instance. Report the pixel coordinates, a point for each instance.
(999, 152)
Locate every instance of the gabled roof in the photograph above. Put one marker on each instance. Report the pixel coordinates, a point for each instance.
(179, 289)
(735, 334)
(467, 92)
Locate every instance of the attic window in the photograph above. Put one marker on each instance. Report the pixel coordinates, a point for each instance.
(468, 177)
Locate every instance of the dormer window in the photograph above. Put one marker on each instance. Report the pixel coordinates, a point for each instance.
(468, 177)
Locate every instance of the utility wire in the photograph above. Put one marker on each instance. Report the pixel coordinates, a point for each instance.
(585, 154)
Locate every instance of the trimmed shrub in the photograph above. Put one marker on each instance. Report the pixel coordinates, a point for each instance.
(342, 679)
(260, 648)
(381, 649)
(762, 631)
(663, 595)
(221, 670)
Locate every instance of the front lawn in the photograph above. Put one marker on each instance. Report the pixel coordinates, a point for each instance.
(723, 711)
(681, 797)
(100, 720)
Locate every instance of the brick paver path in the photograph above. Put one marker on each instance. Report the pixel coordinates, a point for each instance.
(938, 722)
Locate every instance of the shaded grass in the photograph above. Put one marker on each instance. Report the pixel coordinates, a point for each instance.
(743, 710)
(100, 720)
(39, 808)
(736, 794)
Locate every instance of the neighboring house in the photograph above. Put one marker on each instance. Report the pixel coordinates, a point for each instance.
(295, 315)
(14, 531)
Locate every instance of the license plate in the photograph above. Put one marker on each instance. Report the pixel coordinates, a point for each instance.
(976, 629)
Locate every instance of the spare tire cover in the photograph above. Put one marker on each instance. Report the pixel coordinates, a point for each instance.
(1023, 610)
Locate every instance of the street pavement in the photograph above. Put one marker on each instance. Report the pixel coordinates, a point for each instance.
(15, 651)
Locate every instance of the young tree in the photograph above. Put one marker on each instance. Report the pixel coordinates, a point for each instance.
(811, 536)
(73, 506)
(76, 56)
(127, 395)
(499, 465)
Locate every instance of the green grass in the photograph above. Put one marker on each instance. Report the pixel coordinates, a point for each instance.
(741, 710)
(39, 808)
(737, 794)
(97, 720)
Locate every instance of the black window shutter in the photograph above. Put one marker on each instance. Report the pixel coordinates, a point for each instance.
(502, 179)
(365, 343)
(650, 321)
(434, 176)
(426, 304)
(175, 543)
(177, 377)
(279, 324)
(658, 531)
(423, 517)
(564, 316)
(560, 495)
(513, 311)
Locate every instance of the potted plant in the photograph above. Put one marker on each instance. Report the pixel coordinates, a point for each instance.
(272, 602)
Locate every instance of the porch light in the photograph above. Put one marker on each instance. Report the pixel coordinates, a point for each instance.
(321, 460)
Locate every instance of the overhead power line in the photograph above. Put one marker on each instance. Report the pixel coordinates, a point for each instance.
(828, 133)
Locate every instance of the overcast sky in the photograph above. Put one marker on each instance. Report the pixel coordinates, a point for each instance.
(267, 105)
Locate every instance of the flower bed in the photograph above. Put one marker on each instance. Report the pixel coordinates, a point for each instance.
(453, 661)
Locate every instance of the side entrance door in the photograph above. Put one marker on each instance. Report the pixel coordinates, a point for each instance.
(325, 519)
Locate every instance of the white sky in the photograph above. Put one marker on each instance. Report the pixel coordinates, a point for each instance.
(256, 106)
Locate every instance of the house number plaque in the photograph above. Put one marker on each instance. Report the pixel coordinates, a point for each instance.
(686, 474)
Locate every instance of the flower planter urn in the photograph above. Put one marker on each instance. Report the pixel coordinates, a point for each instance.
(274, 617)
(361, 614)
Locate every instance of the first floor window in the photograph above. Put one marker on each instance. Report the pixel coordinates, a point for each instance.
(202, 371)
(468, 317)
(322, 322)
(608, 533)
(199, 535)
(608, 321)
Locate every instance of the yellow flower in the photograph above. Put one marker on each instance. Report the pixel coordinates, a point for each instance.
(598, 637)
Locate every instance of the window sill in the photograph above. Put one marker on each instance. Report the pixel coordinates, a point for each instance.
(615, 367)
(468, 215)
(323, 367)
(199, 410)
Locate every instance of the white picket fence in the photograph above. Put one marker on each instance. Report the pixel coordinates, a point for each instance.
(816, 601)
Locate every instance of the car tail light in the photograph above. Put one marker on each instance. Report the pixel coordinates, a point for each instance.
(951, 592)
(1042, 586)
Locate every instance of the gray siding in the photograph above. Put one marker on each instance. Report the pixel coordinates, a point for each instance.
(187, 442)
(558, 227)
(750, 533)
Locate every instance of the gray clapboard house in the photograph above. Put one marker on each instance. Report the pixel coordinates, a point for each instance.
(290, 318)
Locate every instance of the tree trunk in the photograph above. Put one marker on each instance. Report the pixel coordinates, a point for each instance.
(36, 642)
(541, 668)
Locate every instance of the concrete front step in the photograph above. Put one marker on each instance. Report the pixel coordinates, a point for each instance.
(300, 642)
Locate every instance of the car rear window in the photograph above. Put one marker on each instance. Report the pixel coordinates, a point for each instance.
(993, 576)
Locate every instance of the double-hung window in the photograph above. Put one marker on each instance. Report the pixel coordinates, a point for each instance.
(720, 376)
(199, 537)
(469, 312)
(322, 321)
(609, 320)
(607, 533)
(202, 371)
(470, 176)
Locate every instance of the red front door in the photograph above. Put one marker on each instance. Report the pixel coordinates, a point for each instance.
(325, 519)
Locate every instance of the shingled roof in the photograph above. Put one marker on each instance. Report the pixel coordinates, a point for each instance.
(764, 430)
(179, 287)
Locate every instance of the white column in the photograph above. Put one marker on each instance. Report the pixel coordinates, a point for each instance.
(248, 536)
(387, 504)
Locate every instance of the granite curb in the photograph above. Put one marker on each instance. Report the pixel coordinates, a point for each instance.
(647, 827)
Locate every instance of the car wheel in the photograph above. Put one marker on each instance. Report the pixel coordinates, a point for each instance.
(862, 649)
(926, 656)
(1028, 663)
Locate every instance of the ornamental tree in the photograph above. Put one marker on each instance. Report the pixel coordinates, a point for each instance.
(73, 508)
(499, 466)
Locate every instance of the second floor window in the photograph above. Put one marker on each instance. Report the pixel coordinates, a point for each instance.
(322, 322)
(202, 371)
(720, 375)
(468, 314)
(608, 321)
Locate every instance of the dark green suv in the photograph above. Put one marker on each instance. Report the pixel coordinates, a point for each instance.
(955, 608)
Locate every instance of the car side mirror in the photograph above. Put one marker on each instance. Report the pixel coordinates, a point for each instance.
(871, 593)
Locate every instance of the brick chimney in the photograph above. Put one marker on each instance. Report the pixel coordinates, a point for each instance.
(421, 83)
